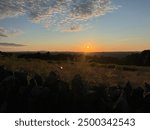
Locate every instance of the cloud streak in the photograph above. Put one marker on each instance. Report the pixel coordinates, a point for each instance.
(61, 13)
(3, 35)
(11, 44)
(9, 32)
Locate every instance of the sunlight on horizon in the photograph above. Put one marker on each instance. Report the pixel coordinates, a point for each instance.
(89, 46)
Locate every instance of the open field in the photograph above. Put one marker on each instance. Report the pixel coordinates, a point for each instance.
(93, 73)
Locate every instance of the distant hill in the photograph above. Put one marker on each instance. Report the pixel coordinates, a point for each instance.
(112, 54)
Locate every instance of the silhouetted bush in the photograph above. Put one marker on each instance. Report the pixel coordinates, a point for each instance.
(18, 93)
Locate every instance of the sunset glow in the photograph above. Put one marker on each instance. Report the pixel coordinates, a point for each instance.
(88, 47)
(55, 25)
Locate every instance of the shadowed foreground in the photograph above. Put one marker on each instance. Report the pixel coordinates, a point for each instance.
(18, 93)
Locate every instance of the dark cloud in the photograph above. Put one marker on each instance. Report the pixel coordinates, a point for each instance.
(11, 45)
(56, 12)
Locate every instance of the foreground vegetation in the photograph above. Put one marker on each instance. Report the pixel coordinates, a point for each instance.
(42, 85)
(23, 92)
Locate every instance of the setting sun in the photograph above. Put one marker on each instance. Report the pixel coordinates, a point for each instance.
(88, 47)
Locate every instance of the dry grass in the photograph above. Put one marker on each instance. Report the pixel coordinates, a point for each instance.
(94, 73)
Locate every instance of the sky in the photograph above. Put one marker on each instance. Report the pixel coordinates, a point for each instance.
(74, 25)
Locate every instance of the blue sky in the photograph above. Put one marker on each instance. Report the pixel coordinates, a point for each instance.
(72, 25)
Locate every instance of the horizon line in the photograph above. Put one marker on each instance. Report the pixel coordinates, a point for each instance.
(73, 51)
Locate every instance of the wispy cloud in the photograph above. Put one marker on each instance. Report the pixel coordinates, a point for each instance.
(3, 35)
(9, 32)
(73, 28)
(11, 44)
(56, 12)
(3, 32)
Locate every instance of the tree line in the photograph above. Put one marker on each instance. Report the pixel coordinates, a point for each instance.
(139, 59)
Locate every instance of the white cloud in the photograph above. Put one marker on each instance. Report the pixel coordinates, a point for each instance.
(86, 9)
(56, 12)
(11, 8)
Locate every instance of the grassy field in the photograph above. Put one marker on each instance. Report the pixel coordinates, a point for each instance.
(93, 73)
